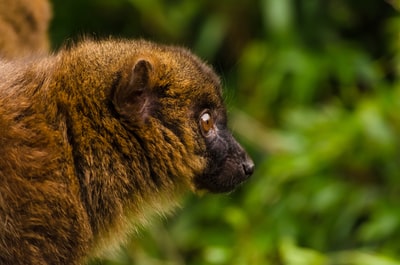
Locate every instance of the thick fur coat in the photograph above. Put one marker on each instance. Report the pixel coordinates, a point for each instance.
(23, 27)
(98, 137)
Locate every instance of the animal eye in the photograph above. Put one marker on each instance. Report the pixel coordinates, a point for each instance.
(206, 123)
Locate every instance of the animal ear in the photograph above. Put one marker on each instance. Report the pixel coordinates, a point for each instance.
(132, 97)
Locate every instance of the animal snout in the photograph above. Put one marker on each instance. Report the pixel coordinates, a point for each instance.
(248, 166)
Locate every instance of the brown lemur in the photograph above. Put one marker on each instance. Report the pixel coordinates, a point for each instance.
(96, 138)
(23, 27)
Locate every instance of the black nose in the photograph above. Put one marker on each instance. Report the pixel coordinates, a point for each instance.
(248, 167)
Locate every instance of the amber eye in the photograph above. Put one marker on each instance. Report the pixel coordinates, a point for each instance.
(206, 123)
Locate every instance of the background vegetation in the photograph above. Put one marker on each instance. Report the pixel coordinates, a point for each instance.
(314, 95)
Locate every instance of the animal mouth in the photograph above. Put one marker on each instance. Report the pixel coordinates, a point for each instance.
(227, 177)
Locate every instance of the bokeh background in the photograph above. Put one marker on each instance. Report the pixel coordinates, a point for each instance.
(313, 94)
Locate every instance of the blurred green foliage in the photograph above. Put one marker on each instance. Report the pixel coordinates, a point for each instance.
(314, 95)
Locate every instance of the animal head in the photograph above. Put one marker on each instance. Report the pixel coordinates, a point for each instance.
(171, 89)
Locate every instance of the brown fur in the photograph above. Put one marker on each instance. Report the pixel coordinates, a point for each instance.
(23, 27)
(97, 138)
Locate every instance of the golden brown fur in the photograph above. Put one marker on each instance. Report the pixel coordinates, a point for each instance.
(23, 27)
(97, 138)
